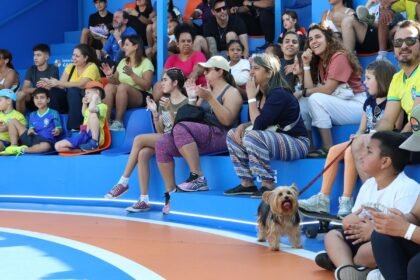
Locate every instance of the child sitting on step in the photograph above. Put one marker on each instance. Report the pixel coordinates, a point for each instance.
(91, 135)
(378, 78)
(43, 129)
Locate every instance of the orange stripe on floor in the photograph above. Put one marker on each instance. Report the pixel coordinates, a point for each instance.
(174, 253)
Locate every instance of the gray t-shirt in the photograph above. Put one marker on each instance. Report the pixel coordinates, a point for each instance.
(34, 75)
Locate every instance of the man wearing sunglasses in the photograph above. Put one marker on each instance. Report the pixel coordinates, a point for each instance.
(404, 91)
(223, 28)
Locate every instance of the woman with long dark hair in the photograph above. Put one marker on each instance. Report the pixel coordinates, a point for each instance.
(9, 78)
(76, 75)
(143, 148)
(276, 130)
(129, 86)
(333, 91)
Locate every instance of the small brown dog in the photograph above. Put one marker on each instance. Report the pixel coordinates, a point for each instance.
(278, 215)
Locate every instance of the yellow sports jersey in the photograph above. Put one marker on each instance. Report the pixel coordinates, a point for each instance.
(6, 117)
(405, 89)
(102, 109)
(405, 6)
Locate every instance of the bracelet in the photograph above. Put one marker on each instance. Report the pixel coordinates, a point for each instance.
(410, 231)
(119, 41)
(252, 100)
(192, 99)
(306, 68)
(304, 92)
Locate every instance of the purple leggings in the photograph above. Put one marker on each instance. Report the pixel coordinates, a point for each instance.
(209, 139)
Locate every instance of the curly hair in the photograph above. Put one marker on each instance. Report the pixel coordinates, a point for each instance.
(333, 46)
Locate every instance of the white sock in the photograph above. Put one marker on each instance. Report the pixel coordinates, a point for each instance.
(124, 181)
(144, 198)
(345, 198)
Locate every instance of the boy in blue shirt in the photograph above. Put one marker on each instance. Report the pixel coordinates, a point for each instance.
(43, 129)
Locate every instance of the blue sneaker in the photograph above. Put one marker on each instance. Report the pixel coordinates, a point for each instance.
(89, 146)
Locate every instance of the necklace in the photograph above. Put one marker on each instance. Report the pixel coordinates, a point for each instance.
(222, 31)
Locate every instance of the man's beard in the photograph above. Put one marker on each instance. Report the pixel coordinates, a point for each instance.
(407, 62)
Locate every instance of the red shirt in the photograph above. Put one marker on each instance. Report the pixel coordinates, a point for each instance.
(187, 66)
(340, 70)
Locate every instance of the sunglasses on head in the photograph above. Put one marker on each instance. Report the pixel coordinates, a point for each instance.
(218, 10)
(175, 70)
(409, 41)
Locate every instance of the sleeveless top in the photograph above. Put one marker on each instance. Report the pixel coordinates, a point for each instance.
(209, 111)
(330, 24)
(14, 87)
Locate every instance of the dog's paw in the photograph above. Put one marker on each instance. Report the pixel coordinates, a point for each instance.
(275, 248)
(298, 246)
(261, 239)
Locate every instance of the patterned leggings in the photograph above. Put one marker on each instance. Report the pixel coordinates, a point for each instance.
(209, 139)
(258, 147)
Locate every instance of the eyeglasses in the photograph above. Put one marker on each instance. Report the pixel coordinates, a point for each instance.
(376, 113)
(218, 10)
(409, 41)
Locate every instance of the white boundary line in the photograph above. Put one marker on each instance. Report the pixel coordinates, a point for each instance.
(284, 247)
(124, 264)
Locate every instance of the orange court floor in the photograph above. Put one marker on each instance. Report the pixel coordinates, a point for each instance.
(168, 250)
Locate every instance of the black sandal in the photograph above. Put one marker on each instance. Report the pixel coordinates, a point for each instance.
(320, 153)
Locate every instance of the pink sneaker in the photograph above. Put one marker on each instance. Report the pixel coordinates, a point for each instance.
(166, 208)
(194, 183)
(117, 191)
(139, 206)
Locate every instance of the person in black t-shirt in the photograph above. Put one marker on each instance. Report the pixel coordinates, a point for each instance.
(223, 28)
(140, 16)
(99, 25)
(40, 69)
(258, 16)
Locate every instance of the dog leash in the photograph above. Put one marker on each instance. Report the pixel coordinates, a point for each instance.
(325, 169)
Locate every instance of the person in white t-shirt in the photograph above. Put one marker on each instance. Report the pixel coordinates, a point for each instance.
(349, 252)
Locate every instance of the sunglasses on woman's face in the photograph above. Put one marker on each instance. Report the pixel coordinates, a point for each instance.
(409, 41)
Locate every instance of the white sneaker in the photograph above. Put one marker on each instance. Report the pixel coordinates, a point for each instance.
(319, 203)
(100, 31)
(345, 206)
(375, 275)
(117, 126)
(351, 272)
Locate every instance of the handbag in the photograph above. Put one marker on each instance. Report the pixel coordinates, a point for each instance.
(343, 91)
(189, 113)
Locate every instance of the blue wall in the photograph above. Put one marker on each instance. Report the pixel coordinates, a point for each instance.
(26, 23)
